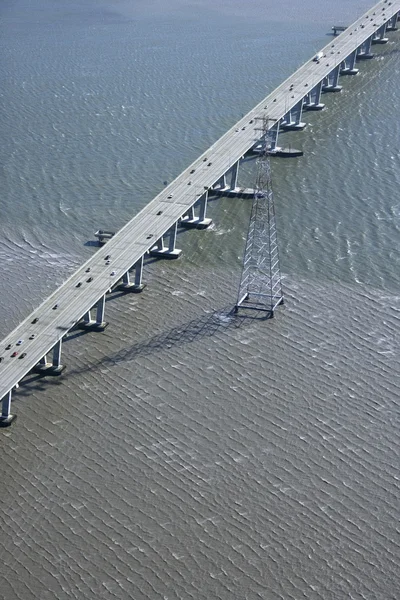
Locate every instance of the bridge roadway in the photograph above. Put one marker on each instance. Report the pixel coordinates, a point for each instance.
(133, 241)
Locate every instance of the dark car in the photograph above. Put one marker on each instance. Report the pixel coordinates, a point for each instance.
(35, 320)
(23, 355)
(89, 280)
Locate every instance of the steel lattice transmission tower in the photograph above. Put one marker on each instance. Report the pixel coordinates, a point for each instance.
(260, 285)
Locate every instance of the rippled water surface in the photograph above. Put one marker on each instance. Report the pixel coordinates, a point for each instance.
(184, 453)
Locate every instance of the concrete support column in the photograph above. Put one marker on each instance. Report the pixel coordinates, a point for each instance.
(203, 206)
(221, 183)
(313, 101)
(167, 251)
(234, 175)
(272, 137)
(138, 266)
(189, 215)
(6, 418)
(292, 119)
(392, 23)
(160, 243)
(364, 51)
(286, 119)
(137, 286)
(101, 304)
(348, 65)
(379, 37)
(336, 73)
(298, 111)
(330, 83)
(57, 355)
(172, 237)
(99, 324)
(45, 367)
(190, 221)
(87, 317)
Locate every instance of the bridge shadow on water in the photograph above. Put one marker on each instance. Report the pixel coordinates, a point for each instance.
(209, 325)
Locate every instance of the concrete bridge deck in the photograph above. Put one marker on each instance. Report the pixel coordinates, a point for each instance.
(139, 235)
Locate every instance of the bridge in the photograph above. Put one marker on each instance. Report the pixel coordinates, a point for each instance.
(80, 301)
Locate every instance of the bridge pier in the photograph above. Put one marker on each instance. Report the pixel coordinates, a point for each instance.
(6, 418)
(292, 119)
(98, 324)
(379, 37)
(271, 140)
(330, 83)
(190, 221)
(364, 51)
(392, 23)
(166, 251)
(44, 367)
(348, 65)
(221, 183)
(137, 286)
(234, 175)
(313, 98)
(272, 137)
(221, 186)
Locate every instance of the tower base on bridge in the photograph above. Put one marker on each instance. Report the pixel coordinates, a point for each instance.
(234, 192)
(293, 126)
(165, 252)
(48, 370)
(92, 326)
(131, 287)
(285, 152)
(6, 421)
(380, 41)
(365, 56)
(277, 151)
(195, 223)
